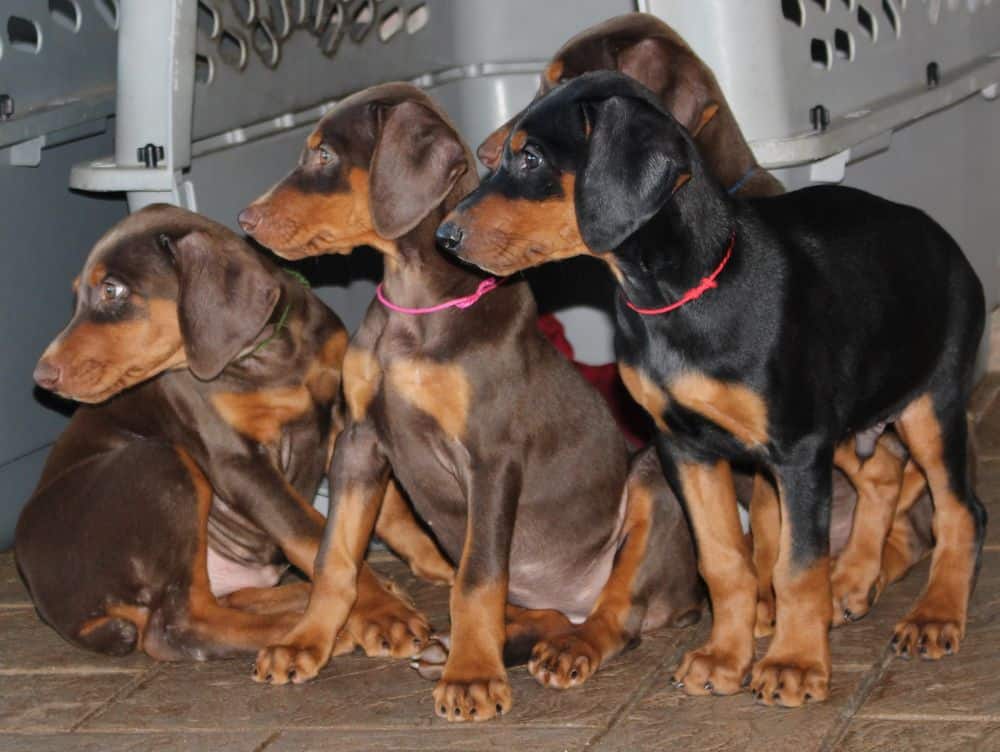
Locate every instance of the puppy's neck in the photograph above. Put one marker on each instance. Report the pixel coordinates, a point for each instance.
(418, 275)
(680, 246)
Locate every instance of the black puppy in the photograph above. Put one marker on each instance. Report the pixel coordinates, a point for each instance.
(763, 330)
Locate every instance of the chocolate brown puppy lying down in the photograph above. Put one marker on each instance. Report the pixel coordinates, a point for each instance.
(176, 498)
(511, 458)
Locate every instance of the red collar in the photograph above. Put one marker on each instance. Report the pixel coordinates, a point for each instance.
(706, 284)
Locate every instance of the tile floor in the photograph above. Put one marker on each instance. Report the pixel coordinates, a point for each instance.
(55, 697)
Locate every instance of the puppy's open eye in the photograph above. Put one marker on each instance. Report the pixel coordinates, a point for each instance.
(325, 155)
(530, 158)
(112, 289)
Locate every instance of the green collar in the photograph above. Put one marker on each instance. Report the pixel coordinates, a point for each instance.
(282, 320)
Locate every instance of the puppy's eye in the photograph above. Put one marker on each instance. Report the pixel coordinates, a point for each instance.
(325, 155)
(530, 158)
(112, 289)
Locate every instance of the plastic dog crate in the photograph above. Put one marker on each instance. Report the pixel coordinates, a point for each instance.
(894, 96)
(57, 87)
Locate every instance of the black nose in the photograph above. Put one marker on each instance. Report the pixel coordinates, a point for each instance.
(449, 236)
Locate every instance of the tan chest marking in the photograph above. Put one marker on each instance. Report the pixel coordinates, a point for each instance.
(323, 376)
(260, 415)
(438, 389)
(362, 378)
(653, 399)
(733, 407)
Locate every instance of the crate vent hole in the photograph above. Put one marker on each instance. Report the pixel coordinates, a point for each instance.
(280, 18)
(204, 69)
(232, 49)
(330, 40)
(417, 18)
(24, 34)
(265, 44)
(209, 22)
(819, 51)
(364, 14)
(843, 44)
(867, 21)
(392, 24)
(245, 10)
(66, 13)
(891, 13)
(108, 10)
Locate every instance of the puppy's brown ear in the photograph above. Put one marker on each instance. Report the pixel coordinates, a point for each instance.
(226, 296)
(491, 150)
(674, 75)
(417, 161)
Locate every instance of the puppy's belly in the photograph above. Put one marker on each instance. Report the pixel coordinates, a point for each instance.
(226, 576)
(545, 574)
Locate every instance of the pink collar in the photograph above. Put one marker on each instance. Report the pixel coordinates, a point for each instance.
(706, 284)
(487, 285)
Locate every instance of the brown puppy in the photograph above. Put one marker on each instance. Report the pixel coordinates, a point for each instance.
(645, 48)
(506, 452)
(165, 514)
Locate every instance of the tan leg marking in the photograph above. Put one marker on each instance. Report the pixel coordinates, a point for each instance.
(569, 659)
(644, 391)
(855, 574)
(397, 526)
(796, 668)
(765, 525)
(362, 379)
(474, 685)
(724, 562)
(733, 407)
(903, 548)
(441, 390)
(936, 625)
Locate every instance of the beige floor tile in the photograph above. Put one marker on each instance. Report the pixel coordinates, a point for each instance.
(44, 702)
(12, 591)
(500, 736)
(916, 735)
(225, 742)
(28, 644)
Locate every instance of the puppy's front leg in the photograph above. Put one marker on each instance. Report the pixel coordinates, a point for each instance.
(358, 476)
(796, 668)
(474, 685)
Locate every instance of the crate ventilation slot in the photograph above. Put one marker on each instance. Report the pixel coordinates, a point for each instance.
(245, 29)
(66, 13)
(24, 34)
(108, 10)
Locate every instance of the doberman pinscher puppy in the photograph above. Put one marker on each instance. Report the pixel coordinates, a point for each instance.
(165, 514)
(506, 452)
(764, 330)
(645, 48)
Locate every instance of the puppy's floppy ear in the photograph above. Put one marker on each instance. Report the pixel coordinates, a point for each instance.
(675, 77)
(417, 161)
(491, 150)
(226, 296)
(635, 157)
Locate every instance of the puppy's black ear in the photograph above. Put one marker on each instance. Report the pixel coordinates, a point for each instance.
(635, 158)
(417, 161)
(226, 296)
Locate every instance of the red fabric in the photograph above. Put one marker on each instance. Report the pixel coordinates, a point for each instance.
(632, 419)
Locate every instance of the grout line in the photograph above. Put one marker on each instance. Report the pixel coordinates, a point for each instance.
(931, 717)
(268, 741)
(130, 687)
(645, 684)
(860, 696)
(69, 671)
